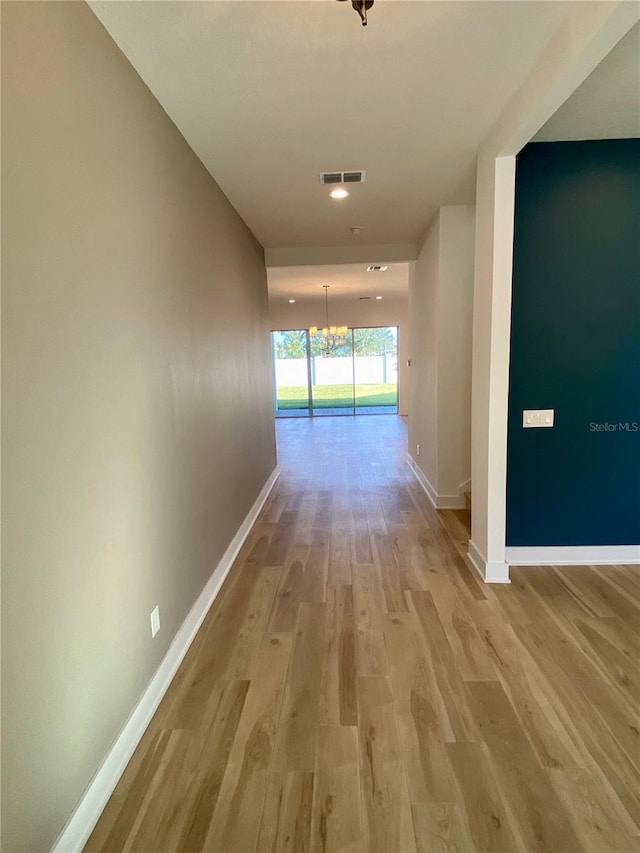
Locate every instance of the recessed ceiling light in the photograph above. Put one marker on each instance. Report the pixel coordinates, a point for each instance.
(291, 301)
(339, 192)
(378, 297)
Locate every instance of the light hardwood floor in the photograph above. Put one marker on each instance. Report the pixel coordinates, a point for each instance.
(355, 687)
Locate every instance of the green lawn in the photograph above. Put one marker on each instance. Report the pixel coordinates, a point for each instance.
(331, 396)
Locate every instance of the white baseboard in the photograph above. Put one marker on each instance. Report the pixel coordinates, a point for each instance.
(450, 501)
(421, 478)
(574, 555)
(462, 488)
(81, 823)
(439, 501)
(490, 572)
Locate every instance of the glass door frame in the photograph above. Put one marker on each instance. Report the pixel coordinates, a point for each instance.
(396, 405)
(308, 408)
(311, 407)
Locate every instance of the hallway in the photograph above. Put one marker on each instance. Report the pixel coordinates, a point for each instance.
(356, 687)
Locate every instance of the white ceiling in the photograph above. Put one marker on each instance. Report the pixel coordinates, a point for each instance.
(607, 104)
(268, 94)
(346, 282)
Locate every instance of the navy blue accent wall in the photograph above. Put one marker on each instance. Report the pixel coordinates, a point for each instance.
(575, 345)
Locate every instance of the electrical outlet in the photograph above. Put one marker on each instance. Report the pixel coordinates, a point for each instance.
(155, 620)
(417, 450)
(537, 418)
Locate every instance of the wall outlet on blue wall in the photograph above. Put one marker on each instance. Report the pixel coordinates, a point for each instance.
(537, 418)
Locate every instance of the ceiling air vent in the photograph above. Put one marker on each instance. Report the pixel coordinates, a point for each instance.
(342, 177)
(377, 268)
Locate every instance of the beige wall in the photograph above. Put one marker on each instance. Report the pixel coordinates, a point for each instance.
(441, 301)
(423, 352)
(388, 312)
(137, 413)
(454, 347)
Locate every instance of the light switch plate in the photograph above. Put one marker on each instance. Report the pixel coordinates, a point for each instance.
(537, 418)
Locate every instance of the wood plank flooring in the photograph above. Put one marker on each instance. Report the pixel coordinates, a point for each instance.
(355, 687)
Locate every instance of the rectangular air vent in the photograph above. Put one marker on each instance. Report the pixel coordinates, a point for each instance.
(356, 177)
(377, 268)
(364, 298)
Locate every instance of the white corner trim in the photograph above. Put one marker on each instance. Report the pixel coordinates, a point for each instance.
(85, 816)
(439, 501)
(574, 555)
(490, 572)
(497, 573)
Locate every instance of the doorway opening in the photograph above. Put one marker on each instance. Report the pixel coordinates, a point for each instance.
(316, 379)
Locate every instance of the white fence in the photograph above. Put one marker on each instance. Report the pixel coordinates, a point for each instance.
(339, 370)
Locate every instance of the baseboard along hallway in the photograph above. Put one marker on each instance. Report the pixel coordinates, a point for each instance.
(355, 686)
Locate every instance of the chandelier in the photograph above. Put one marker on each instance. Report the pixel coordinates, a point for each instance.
(332, 336)
(362, 7)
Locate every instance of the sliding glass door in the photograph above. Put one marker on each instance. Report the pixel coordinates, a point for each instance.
(290, 352)
(375, 365)
(359, 376)
(332, 391)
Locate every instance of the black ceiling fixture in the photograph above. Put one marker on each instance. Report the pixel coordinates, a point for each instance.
(361, 7)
